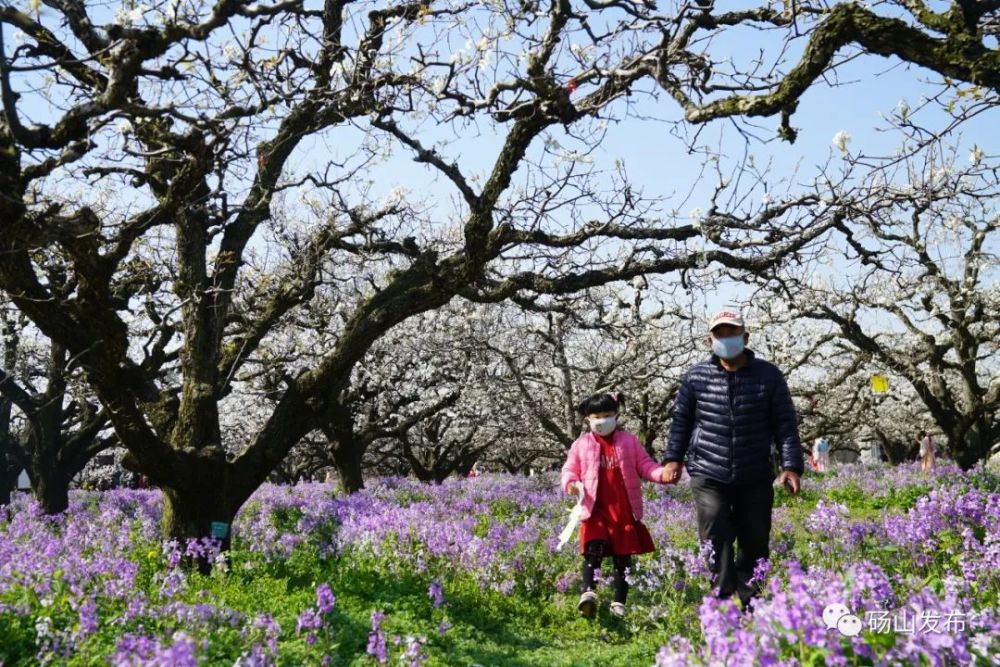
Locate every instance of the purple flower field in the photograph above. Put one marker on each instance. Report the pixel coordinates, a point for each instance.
(467, 572)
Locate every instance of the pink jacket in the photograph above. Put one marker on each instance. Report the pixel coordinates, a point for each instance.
(584, 461)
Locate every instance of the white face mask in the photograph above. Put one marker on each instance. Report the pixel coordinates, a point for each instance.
(603, 426)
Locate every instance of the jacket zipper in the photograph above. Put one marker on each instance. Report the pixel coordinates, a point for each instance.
(732, 382)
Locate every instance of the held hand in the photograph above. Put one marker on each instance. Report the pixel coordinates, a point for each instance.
(573, 489)
(790, 480)
(671, 473)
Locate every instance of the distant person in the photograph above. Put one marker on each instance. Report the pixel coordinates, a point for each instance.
(926, 452)
(607, 464)
(729, 410)
(821, 449)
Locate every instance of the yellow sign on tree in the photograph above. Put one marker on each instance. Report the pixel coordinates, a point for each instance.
(880, 384)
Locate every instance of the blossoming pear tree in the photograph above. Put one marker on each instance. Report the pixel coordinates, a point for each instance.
(171, 134)
(909, 284)
(50, 424)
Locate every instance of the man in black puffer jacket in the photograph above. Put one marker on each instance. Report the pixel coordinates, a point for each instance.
(729, 411)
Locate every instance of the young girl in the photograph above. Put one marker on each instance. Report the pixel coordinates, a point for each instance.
(608, 463)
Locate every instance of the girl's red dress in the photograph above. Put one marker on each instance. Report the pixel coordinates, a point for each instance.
(611, 518)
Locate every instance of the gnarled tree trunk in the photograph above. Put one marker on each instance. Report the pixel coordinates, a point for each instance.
(52, 468)
(971, 444)
(9, 472)
(347, 459)
(201, 500)
(51, 488)
(10, 458)
(347, 449)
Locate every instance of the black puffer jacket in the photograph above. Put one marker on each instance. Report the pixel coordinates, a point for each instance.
(725, 422)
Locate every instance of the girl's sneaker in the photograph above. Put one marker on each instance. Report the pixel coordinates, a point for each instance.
(588, 604)
(617, 609)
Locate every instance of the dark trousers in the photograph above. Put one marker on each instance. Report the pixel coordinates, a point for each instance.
(739, 513)
(594, 553)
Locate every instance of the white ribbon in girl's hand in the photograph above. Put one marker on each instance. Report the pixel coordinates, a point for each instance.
(574, 519)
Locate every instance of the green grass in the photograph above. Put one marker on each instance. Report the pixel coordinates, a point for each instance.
(484, 627)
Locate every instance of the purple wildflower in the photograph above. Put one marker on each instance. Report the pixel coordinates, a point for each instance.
(436, 593)
(325, 599)
(414, 655)
(138, 650)
(88, 618)
(308, 620)
(376, 639)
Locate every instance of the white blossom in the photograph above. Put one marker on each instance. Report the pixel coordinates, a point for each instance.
(904, 109)
(231, 52)
(841, 141)
(137, 13)
(581, 51)
(396, 195)
(976, 155)
(939, 175)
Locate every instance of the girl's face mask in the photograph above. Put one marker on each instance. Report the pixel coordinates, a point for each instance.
(603, 426)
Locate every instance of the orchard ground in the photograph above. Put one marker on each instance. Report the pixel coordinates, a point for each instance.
(467, 573)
